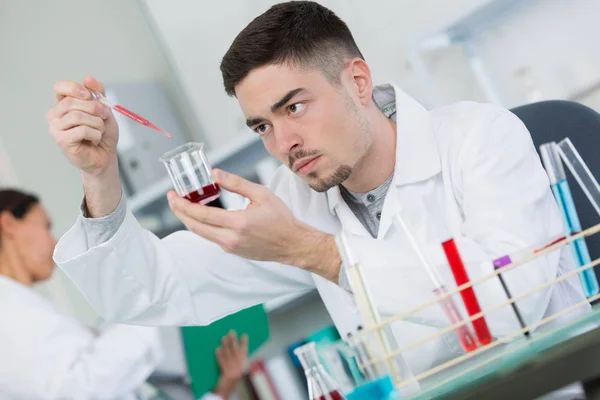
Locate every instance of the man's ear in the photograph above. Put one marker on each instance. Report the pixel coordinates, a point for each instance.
(361, 75)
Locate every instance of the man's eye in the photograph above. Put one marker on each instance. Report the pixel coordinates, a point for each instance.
(296, 108)
(261, 129)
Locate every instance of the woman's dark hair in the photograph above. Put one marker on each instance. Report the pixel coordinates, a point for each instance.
(18, 203)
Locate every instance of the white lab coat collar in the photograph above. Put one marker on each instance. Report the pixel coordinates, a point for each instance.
(417, 155)
(25, 295)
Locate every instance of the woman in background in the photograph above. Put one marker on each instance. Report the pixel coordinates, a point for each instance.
(45, 354)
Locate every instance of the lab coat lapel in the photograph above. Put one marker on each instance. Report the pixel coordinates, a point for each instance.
(337, 205)
(417, 157)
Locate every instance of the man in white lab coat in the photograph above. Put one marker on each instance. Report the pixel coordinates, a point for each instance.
(354, 156)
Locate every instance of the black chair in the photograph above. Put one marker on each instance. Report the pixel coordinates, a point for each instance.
(555, 120)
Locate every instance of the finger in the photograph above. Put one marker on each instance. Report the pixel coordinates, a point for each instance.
(235, 345)
(64, 89)
(77, 118)
(231, 344)
(92, 83)
(225, 347)
(239, 185)
(244, 345)
(208, 215)
(78, 134)
(225, 238)
(217, 235)
(220, 355)
(70, 104)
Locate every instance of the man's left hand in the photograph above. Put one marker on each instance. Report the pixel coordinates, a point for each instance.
(265, 231)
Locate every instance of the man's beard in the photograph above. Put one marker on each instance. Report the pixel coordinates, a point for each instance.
(338, 176)
(321, 185)
(343, 171)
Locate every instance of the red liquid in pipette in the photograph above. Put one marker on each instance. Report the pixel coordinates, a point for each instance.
(207, 194)
(468, 295)
(335, 395)
(140, 120)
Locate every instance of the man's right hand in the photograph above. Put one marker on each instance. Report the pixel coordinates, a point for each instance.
(87, 133)
(84, 129)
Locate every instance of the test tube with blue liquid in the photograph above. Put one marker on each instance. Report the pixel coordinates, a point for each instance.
(560, 188)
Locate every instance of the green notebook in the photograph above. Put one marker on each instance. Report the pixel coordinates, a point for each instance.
(200, 343)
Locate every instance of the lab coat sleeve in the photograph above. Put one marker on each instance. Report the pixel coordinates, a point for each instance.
(181, 280)
(506, 205)
(114, 365)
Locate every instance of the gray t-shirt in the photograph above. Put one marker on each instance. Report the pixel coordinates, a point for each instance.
(367, 206)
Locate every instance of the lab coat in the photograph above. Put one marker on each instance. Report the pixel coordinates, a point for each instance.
(467, 170)
(47, 355)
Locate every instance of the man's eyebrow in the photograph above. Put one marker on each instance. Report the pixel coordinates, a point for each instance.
(288, 96)
(250, 122)
(254, 121)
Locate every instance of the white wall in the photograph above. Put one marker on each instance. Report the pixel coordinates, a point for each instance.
(543, 49)
(197, 35)
(42, 42)
(7, 173)
(554, 41)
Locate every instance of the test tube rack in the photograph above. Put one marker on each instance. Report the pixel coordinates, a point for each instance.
(374, 324)
(372, 332)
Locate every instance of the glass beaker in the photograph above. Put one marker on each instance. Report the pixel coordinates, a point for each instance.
(190, 173)
(321, 386)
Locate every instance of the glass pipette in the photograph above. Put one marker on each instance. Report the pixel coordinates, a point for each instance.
(128, 113)
(452, 313)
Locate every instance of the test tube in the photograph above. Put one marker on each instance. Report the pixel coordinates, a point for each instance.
(363, 358)
(499, 263)
(562, 194)
(365, 302)
(463, 333)
(580, 171)
(468, 295)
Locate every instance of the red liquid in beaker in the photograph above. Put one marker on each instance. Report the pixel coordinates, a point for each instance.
(206, 195)
(335, 395)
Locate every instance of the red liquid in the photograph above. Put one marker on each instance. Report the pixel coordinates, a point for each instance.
(463, 333)
(468, 295)
(335, 395)
(551, 243)
(207, 194)
(140, 120)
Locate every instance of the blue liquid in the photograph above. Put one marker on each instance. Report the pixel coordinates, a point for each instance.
(381, 389)
(563, 197)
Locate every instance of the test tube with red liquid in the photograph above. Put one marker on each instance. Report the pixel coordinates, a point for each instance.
(463, 332)
(468, 295)
(321, 386)
(190, 173)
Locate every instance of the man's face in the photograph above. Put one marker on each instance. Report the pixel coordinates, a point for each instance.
(317, 129)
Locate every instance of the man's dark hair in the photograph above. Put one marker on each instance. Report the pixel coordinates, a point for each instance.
(296, 33)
